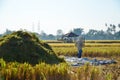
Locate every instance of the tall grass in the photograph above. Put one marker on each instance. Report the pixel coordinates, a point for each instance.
(90, 50)
(62, 71)
(89, 73)
(87, 41)
(101, 51)
(42, 71)
(102, 41)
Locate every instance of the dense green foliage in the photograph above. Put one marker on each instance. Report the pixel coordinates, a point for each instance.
(22, 47)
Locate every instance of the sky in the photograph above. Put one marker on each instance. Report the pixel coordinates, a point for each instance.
(51, 15)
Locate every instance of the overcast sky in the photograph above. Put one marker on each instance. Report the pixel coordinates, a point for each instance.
(58, 14)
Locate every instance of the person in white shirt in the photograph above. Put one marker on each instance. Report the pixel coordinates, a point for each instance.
(80, 44)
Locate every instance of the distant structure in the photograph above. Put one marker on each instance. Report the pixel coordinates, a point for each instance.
(33, 27)
(39, 27)
(69, 37)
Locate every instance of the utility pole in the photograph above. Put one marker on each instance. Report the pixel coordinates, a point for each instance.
(39, 27)
(33, 27)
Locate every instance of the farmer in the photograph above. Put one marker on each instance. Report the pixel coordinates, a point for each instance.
(79, 44)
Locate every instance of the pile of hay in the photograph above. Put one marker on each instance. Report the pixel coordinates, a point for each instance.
(23, 47)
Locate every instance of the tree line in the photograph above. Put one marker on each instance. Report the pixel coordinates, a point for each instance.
(112, 33)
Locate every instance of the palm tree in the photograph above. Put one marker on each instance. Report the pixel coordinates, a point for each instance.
(105, 24)
(119, 25)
